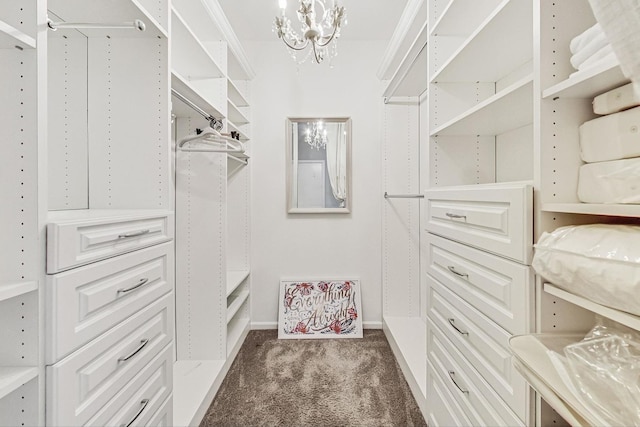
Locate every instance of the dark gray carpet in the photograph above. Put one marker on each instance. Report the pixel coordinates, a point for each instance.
(333, 382)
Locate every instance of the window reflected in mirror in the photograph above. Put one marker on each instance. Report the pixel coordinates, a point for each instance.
(318, 165)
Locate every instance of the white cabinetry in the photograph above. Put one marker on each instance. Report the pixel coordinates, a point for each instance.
(564, 104)
(478, 219)
(110, 326)
(210, 72)
(22, 134)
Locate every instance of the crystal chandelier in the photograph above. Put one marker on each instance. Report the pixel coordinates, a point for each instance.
(317, 33)
(316, 136)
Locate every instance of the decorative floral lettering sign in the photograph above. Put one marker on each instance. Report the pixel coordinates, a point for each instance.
(320, 309)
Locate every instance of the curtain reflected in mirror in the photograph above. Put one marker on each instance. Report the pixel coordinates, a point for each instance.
(318, 162)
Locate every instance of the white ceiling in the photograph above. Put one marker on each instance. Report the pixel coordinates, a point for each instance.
(367, 19)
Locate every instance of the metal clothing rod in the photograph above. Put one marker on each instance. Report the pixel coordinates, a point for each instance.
(137, 24)
(403, 196)
(213, 122)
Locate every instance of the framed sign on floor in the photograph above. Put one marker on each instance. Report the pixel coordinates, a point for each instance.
(319, 309)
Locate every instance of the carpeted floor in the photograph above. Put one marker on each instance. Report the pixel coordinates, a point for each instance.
(348, 382)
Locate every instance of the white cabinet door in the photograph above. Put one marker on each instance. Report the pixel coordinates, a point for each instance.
(74, 241)
(79, 385)
(499, 288)
(497, 218)
(87, 301)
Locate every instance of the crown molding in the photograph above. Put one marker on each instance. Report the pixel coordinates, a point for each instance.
(400, 33)
(221, 21)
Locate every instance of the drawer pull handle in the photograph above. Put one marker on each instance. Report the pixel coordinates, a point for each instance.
(457, 273)
(453, 325)
(143, 404)
(451, 375)
(136, 351)
(455, 216)
(142, 281)
(135, 234)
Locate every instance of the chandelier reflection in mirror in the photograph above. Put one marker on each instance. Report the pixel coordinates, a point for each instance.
(316, 136)
(320, 26)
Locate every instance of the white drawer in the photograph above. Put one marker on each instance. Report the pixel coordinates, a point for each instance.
(79, 385)
(97, 235)
(497, 287)
(87, 301)
(477, 399)
(142, 397)
(497, 218)
(483, 343)
(444, 410)
(164, 416)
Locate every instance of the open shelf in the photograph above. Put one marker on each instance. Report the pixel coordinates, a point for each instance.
(407, 337)
(410, 79)
(186, 89)
(12, 378)
(235, 115)
(621, 317)
(190, 58)
(533, 362)
(589, 83)
(593, 209)
(195, 383)
(509, 109)
(504, 41)
(234, 302)
(236, 333)
(11, 37)
(16, 289)
(235, 279)
(460, 15)
(235, 95)
(111, 11)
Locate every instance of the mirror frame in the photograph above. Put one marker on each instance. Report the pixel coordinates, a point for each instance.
(289, 122)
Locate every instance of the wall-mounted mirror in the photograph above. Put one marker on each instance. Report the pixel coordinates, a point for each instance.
(318, 165)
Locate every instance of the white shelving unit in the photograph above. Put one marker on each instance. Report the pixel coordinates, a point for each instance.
(403, 305)
(213, 278)
(12, 290)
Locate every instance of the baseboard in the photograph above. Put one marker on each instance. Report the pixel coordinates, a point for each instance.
(264, 325)
(274, 325)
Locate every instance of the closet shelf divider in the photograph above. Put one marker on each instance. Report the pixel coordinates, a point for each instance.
(589, 83)
(487, 53)
(508, 109)
(12, 378)
(11, 37)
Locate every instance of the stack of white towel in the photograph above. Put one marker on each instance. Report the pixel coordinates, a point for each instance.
(611, 147)
(590, 48)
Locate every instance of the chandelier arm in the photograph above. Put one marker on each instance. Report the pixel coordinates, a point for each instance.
(306, 43)
(335, 30)
(315, 53)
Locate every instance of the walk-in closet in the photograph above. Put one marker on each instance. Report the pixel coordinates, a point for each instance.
(183, 181)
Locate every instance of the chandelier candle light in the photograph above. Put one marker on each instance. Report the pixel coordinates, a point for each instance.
(317, 33)
(316, 136)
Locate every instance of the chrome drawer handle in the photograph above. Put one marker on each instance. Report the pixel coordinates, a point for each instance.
(143, 403)
(453, 325)
(142, 281)
(451, 374)
(135, 234)
(136, 351)
(457, 273)
(455, 216)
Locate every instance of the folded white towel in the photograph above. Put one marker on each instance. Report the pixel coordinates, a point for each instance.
(581, 40)
(592, 47)
(606, 53)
